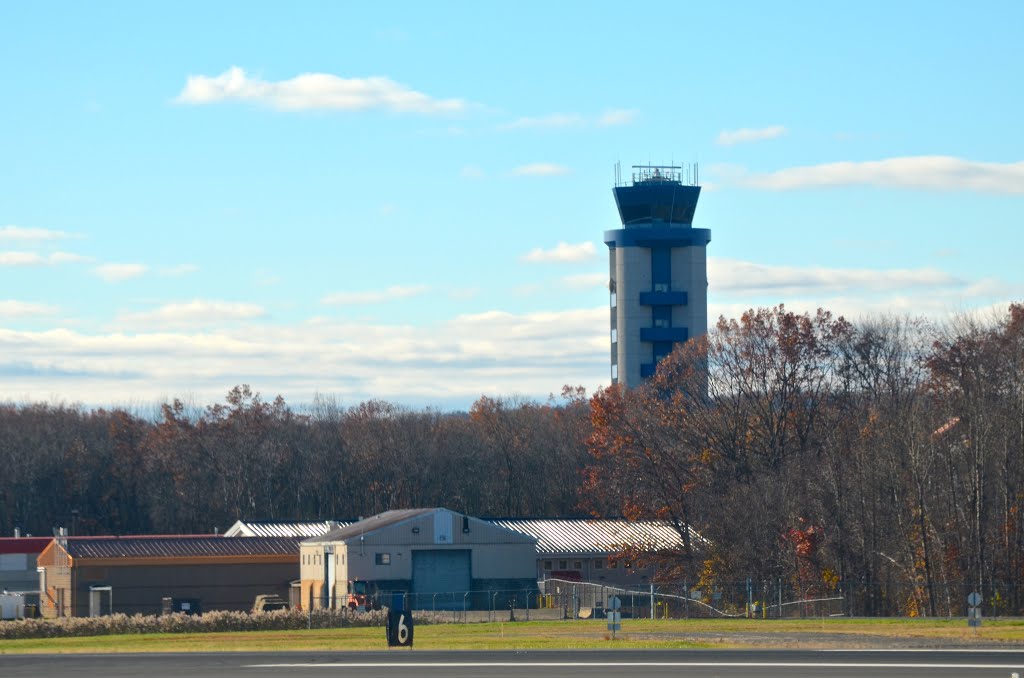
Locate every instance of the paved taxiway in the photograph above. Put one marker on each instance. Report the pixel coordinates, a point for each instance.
(590, 663)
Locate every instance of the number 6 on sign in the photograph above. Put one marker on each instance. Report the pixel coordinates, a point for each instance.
(399, 628)
(403, 631)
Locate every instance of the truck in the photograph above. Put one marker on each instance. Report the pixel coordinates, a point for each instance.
(361, 597)
(269, 602)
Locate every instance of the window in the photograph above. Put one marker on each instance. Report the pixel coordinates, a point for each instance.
(547, 564)
(615, 335)
(577, 565)
(563, 564)
(382, 558)
(662, 316)
(661, 287)
(613, 299)
(615, 371)
(599, 564)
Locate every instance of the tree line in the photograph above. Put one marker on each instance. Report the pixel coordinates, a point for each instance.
(191, 470)
(884, 456)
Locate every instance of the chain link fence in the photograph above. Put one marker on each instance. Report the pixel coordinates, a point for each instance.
(768, 599)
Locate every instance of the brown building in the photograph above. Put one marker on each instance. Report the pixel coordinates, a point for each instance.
(91, 576)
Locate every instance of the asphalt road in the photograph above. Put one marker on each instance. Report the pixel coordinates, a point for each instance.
(618, 664)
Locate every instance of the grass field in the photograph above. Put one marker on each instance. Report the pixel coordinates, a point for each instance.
(641, 633)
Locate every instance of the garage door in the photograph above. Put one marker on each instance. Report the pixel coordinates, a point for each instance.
(440, 578)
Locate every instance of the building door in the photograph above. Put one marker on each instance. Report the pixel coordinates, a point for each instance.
(440, 579)
(101, 601)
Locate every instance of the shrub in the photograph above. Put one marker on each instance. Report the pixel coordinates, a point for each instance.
(115, 624)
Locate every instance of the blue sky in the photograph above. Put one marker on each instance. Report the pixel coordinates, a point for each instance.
(408, 202)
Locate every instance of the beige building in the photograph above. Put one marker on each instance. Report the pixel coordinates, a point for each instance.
(438, 559)
(569, 549)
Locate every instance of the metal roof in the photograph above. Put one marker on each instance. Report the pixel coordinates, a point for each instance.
(568, 535)
(243, 529)
(180, 547)
(591, 536)
(26, 545)
(371, 524)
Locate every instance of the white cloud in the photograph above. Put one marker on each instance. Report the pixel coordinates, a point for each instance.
(119, 272)
(392, 293)
(540, 169)
(21, 259)
(450, 363)
(311, 91)
(619, 116)
(15, 309)
(31, 234)
(14, 258)
(586, 280)
(735, 286)
(561, 253)
(935, 172)
(197, 312)
(733, 276)
(746, 135)
(553, 120)
(446, 363)
(65, 258)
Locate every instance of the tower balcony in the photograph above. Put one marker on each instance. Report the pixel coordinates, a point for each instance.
(663, 298)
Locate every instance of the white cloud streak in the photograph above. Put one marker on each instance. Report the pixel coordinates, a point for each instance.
(11, 308)
(562, 253)
(452, 361)
(31, 234)
(747, 135)
(312, 91)
(935, 172)
(584, 281)
(195, 313)
(120, 272)
(540, 169)
(620, 116)
(15, 258)
(745, 277)
(393, 293)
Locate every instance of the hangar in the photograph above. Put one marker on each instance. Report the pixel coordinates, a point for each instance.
(439, 558)
(91, 576)
(572, 549)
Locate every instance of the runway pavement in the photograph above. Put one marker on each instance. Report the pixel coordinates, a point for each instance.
(600, 663)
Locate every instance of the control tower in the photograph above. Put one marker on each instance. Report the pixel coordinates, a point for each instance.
(658, 269)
